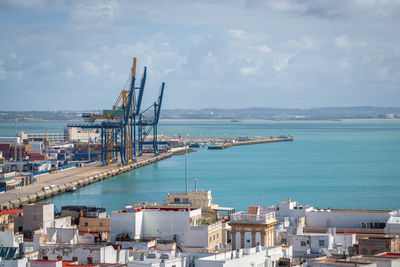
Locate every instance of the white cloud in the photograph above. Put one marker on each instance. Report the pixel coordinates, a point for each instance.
(248, 71)
(281, 62)
(90, 68)
(264, 49)
(70, 73)
(343, 42)
(167, 71)
(196, 39)
(238, 34)
(304, 43)
(23, 4)
(98, 14)
(285, 5)
(2, 71)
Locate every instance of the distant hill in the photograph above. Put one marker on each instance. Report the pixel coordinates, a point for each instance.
(284, 114)
(328, 113)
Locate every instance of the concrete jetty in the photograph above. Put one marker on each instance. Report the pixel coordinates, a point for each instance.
(263, 140)
(53, 184)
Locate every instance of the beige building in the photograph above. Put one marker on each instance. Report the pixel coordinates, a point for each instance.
(252, 228)
(193, 199)
(7, 219)
(100, 225)
(377, 244)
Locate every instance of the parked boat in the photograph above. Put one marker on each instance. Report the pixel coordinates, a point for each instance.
(215, 146)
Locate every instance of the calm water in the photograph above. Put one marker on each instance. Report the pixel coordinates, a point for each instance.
(336, 164)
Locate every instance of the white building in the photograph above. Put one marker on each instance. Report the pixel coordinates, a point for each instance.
(81, 135)
(347, 218)
(84, 254)
(393, 223)
(62, 236)
(313, 243)
(252, 257)
(180, 224)
(45, 263)
(155, 259)
(23, 262)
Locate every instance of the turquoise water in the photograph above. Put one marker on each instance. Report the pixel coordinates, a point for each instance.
(335, 164)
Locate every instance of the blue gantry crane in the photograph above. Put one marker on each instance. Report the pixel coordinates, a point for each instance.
(147, 124)
(118, 125)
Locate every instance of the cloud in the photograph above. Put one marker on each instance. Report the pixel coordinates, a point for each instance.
(220, 47)
(69, 74)
(90, 68)
(343, 42)
(264, 49)
(281, 62)
(95, 15)
(12, 5)
(2, 71)
(248, 71)
(240, 34)
(303, 43)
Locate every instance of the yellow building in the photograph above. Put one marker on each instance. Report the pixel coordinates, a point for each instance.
(1, 161)
(7, 219)
(252, 228)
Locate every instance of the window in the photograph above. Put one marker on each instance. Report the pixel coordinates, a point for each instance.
(75, 258)
(217, 235)
(89, 260)
(101, 224)
(86, 224)
(213, 237)
(322, 243)
(177, 200)
(303, 243)
(59, 258)
(35, 218)
(45, 258)
(210, 239)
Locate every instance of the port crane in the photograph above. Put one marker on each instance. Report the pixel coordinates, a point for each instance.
(146, 124)
(118, 125)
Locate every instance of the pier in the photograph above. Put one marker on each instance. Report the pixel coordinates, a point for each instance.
(53, 184)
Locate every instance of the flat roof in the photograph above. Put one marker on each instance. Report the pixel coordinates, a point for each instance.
(356, 210)
(223, 209)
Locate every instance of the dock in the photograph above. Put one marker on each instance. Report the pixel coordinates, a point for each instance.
(76, 177)
(232, 141)
(50, 185)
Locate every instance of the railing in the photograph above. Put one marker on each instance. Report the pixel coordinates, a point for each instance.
(243, 217)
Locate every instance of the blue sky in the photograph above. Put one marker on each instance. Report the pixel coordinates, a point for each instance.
(76, 55)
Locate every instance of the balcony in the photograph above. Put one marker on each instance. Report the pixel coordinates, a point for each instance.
(245, 218)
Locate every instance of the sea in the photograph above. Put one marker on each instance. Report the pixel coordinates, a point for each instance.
(349, 164)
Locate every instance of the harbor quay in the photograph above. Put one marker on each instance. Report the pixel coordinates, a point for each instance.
(38, 166)
(51, 184)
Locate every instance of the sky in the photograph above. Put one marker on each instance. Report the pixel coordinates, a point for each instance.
(77, 55)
